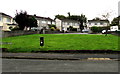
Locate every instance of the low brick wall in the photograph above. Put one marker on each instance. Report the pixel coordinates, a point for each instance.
(51, 32)
(17, 33)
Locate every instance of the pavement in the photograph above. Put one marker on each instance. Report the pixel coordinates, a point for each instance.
(36, 65)
(61, 56)
(59, 62)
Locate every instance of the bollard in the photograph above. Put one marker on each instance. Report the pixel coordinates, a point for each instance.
(41, 41)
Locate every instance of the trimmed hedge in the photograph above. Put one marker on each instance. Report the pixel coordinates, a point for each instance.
(97, 29)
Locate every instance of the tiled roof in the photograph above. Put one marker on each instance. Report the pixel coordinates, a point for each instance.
(98, 21)
(68, 20)
(47, 18)
(5, 14)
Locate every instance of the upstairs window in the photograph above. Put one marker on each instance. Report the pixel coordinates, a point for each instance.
(76, 24)
(1, 27)
(8, 20)
(101, 23)
(66, 23)
(43, 21)
(89, 23)
(71, 24)
(0, 18)
(49, 22)
(95, 23)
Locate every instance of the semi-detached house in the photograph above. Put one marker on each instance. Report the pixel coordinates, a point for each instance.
(44, 22)
(64, 24)
(6, 22)
(97, 23)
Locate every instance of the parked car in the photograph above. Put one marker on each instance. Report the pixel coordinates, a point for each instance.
(85, 31)
(104, 31)
(108, 32)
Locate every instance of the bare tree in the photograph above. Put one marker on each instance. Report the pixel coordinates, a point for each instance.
(106, 16)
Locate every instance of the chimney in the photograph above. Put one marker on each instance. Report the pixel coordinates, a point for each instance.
(34, 14)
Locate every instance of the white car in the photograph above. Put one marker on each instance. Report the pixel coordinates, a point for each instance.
(104, 31)
(109, 31)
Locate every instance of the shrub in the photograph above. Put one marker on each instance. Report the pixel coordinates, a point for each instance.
(15, 28)
(52, 26)
(96, 29)
(70, 28)
(52, 29)
(74, 29)
(57, 29)
(10, 27)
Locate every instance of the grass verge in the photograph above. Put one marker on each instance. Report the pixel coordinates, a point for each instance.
(28, 43)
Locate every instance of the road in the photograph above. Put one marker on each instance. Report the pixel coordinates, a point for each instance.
(59, 55)
(36, 65)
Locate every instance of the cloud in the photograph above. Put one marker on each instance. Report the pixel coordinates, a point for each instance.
(91, 8)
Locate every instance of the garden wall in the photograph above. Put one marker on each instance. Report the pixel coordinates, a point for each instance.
(17, 33)
(51, 32)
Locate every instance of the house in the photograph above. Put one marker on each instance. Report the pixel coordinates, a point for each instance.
(43, 22)
(97, 23)
(6, 22)
(65, 24)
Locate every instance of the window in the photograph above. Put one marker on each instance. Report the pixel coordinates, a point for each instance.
(0, 18)
(70, 23)
(1, 27)
(101, 23)
(75, 24)
(66, 23)
(8, 20)
(95, 23)
(43, 21)
(38, 21)
(49, 22)
(63, 23)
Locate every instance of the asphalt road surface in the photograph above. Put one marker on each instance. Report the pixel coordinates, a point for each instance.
(36, 65)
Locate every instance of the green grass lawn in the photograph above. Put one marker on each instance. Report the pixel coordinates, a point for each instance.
(27, 43)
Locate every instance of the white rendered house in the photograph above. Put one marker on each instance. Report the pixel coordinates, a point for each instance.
(64, 24)
(43, 22)
(6, 21)
(97, 23)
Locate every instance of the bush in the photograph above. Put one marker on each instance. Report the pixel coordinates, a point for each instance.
(15, 28)
(74, 29)
(57, 29)
(10, 27)
(52, 26)
(97, 29)
(52, 29)
(70, 28)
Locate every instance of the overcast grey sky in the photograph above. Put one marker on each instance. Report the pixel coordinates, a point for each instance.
(50, 8)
